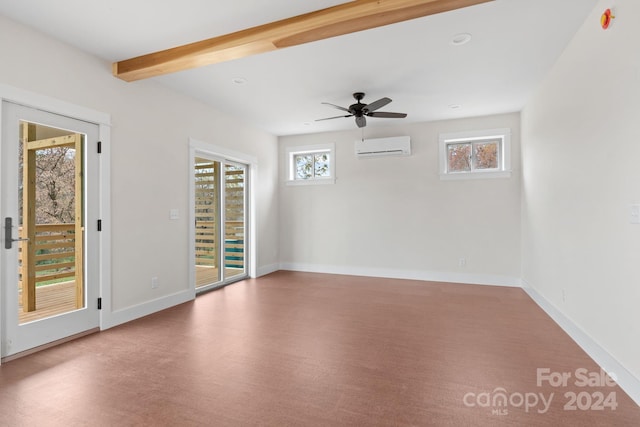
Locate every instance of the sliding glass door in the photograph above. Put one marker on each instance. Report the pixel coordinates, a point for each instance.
(220, 194)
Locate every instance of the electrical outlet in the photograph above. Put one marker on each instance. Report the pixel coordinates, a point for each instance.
(154, 283)
(462, 262)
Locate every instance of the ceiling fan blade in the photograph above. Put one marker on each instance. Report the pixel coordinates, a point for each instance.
(388, 115)
(377, 104)
(331, 118)
(361, 121)
(336, 106)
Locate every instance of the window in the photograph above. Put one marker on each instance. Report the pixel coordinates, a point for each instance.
(311, 164)
(479, 154)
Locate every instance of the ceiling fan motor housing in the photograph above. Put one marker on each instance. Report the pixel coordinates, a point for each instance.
(357, 108)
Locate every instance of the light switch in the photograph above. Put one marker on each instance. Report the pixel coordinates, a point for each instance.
(635, 214)
(173, 214)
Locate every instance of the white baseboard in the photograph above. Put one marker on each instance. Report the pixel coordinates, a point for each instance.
(128, 314)
(267, 269)
(432, 276)
(625, 379)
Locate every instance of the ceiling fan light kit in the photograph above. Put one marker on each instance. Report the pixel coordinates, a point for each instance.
(361, 111)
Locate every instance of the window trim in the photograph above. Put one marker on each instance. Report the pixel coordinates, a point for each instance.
(293, 151)
(504, 169)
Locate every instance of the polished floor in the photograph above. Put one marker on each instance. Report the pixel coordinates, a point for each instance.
(300, 349)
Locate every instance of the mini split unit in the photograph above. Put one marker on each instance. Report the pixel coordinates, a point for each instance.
(395, 146)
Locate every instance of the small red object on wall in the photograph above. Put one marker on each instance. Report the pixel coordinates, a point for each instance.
(606, 18)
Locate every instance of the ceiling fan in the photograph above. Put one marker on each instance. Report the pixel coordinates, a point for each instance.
(360, 111)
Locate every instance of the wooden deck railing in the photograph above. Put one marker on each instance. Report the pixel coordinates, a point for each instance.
(233, 244)
(55, 254)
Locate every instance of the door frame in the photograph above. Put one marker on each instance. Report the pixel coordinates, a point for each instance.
(203, 149)
(103, 121)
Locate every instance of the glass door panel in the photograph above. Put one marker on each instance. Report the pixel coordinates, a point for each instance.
(50, 222)
(234, 225)
(207, 206)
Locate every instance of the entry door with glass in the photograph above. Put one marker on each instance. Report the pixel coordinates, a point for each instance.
(47, 294)
(220, 222)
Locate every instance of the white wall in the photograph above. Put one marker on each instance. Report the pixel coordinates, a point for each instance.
(393, 216)
(149, 159)
(581, 172)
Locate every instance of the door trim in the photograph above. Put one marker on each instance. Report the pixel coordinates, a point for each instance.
(103, 121)
(200, 148)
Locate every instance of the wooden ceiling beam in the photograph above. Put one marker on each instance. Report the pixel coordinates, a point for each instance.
(335, 21)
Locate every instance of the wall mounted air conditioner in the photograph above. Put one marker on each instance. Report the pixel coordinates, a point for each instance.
(395, 146)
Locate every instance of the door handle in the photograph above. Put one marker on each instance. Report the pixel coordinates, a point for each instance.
(8, 240)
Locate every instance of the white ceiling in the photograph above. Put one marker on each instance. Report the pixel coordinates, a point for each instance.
(514, 45)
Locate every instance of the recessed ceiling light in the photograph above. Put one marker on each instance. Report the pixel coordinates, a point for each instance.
(239, 80)
(460, 39)
(455, 106)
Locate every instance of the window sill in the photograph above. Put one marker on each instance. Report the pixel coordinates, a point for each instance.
(311, 181)
(474, 175)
